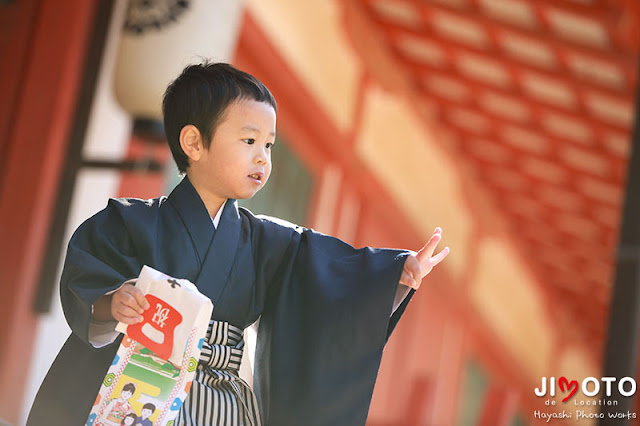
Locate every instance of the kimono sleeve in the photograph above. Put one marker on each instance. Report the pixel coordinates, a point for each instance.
(100, 257)
(323, 330)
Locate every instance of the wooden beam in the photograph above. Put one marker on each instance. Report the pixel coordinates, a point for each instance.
(598, 124)
(496, 120)
(499, 55)
(611, 53)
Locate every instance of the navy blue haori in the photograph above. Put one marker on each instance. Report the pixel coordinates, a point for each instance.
(325, 307)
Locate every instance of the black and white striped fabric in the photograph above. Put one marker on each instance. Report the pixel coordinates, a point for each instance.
(218, 395)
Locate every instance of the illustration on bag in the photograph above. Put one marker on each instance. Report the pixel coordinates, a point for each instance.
(156, 362)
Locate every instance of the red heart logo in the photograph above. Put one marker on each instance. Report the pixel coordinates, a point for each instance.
(573, 384)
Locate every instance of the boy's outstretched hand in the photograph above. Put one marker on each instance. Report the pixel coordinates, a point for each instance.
(418, 265)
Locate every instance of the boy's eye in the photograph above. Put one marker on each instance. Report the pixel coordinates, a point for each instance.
(249, 141)
(269, 145)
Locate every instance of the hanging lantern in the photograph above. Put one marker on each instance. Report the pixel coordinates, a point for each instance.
(161, 37)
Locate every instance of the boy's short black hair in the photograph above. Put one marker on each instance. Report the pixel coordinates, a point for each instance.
(149, 406)
(200, 96)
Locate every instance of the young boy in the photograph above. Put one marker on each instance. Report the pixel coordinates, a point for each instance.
(145, 413)
(325, 308)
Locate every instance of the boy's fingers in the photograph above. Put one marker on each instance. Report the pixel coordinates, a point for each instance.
(140, 299)
(129, 320)
(406, 279)
(125, 298)
(440, 256)
(414, 270)
(126, 304)
(126, 312)
(135, 298)
(427, 251)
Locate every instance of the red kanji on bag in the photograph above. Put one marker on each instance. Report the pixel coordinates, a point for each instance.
(157, 328)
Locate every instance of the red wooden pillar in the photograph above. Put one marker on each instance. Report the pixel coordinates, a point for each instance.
(35, 141)
(16, 26)
(499, 407)
(420, 401)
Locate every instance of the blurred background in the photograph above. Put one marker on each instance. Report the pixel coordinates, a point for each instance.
(509, 123)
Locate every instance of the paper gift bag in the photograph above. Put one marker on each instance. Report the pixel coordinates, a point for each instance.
(152, 371)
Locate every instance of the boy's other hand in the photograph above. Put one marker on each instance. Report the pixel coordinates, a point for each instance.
(418, 265)
(128, 304)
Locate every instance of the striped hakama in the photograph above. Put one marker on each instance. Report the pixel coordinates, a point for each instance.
(218, 395)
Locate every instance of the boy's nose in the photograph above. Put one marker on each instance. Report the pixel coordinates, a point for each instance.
(262, 157)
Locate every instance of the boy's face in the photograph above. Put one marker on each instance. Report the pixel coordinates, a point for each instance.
(145, 413)
(238, 161)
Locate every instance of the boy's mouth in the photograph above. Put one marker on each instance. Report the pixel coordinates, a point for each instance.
(256, 177)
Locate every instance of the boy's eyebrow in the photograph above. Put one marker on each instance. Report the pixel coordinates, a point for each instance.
(255, 129)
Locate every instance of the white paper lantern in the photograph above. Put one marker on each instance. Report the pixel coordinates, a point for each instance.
(161, 37)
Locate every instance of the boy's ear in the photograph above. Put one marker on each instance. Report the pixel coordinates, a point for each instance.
(191, 142)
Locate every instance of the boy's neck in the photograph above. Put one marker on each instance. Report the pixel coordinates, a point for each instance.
(211, 202)
(213, 206)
